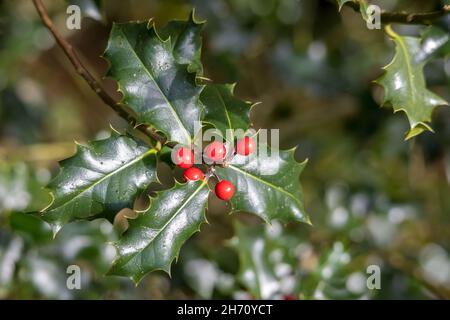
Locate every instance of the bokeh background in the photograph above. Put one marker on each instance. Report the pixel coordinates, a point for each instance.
(373, 198)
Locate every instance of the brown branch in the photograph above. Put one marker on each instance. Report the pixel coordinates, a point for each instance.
(426, 18)
(89, 78)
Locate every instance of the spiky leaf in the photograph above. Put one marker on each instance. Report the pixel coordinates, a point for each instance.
(267, 184)
(153, 240)
(223, 110)
(404, 85)
(102, 178)
(186, 42)
(90, 8)
(153, 82)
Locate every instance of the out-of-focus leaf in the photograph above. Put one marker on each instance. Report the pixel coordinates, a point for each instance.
(255, 272)
(334, 277)
(153, 240)
(435, 43)
(186, 42)
(30, 226)
(11, 248)
(20, 188)
(265, 267)
(90, 8)
(361, 3)
(267, 184)
(404, 85)
(223, 110)
(160, 89)
(102, 178)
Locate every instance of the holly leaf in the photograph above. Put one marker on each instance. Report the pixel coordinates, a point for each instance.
(186, 42)
(153, 240)
(161, 90)
(404, 85)
(223, 110)
(102, 178)
(435, 43)
(267, 184)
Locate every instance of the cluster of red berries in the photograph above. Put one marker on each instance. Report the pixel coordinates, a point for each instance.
(214, 152)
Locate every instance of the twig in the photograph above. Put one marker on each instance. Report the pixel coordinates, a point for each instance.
(89, 78)
(426, 18)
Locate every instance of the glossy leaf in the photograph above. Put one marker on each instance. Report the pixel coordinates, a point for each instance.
(102, 178)
(223, 110)
(267, 185)
(404, 85)
(161, 90)
(186, 42)
(153, 240)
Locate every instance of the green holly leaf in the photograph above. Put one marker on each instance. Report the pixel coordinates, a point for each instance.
(102, 178)
(161, 90)
(267, 184)
(404, 85)
(223, 110)
(186, 42)
(153, 240)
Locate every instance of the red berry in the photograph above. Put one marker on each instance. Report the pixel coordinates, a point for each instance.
(245, 146)
(215, 151)
(224, 190)
(193, 174)
(184, 158)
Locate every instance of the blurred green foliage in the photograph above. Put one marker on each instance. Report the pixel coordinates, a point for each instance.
(373, 198)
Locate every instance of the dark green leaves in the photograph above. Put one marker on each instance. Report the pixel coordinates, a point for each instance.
(100, 179)
(223, 110)
(267, 185)
(405, 87)
(153, 81)
(153, 240)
